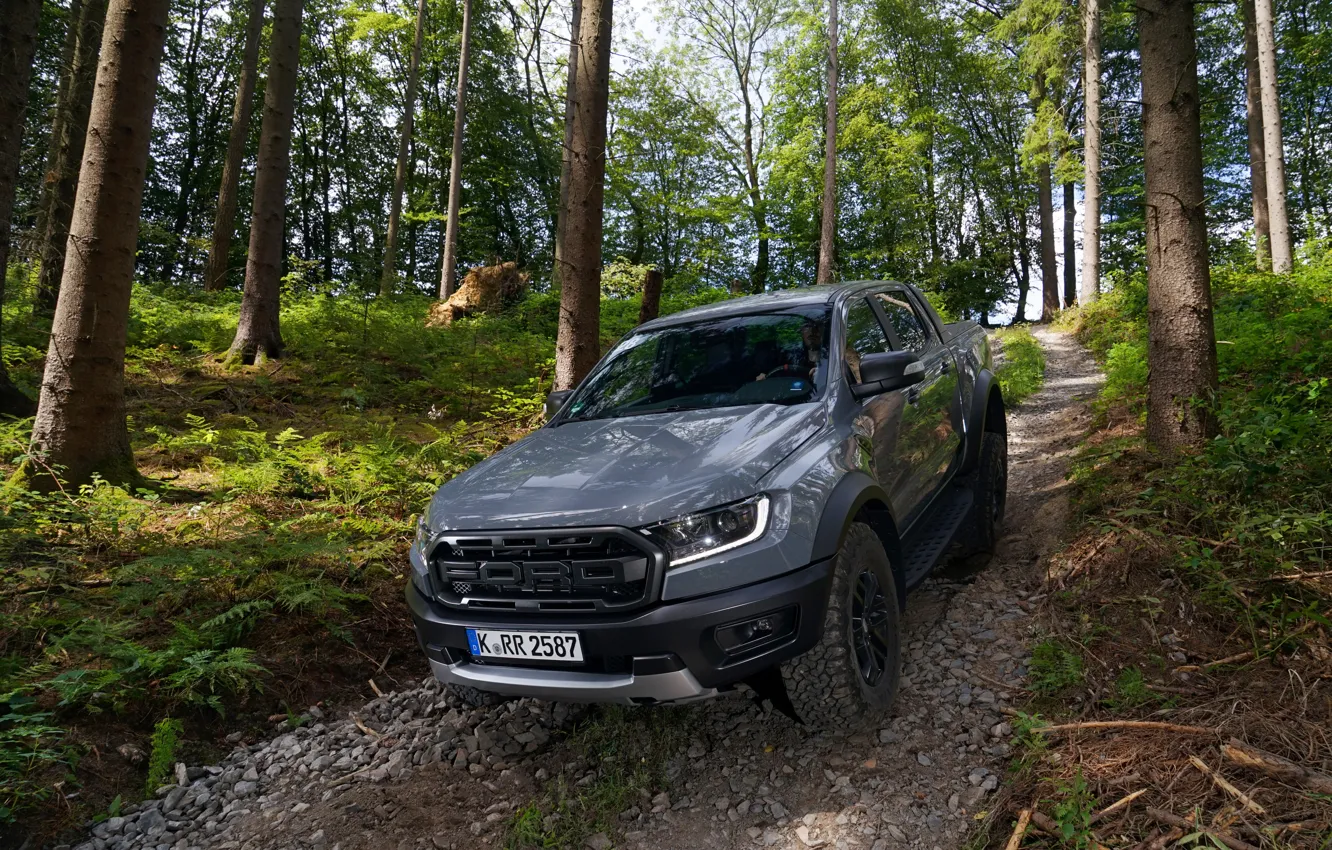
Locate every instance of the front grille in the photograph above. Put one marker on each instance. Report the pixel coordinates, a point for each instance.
(562, 571)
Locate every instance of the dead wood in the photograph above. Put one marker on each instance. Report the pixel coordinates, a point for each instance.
(1247, 755)
(1175, 820)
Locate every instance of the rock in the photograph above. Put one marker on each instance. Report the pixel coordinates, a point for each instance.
(923, 759)
(244, 788)
(802, 832)
(598, 841)
(151, 823)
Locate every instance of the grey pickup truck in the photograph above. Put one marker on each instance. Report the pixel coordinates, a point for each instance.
(742, 493)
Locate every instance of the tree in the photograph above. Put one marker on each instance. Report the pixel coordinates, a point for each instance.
(1070, 248)
(1181, 346)
(577, 344)
(386, 278)
(828, 226)
(18, 44)
(1274, 153)
(651, 305)
(566, 159)
(259, 335)
(448, 271)
(80, 427)
(224, 222)
(67, 137)
(1049, 262)
(1253, 111)
(1091, 135)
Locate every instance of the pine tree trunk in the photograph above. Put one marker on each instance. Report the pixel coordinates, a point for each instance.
(18, 45)
(570, 100)
(67, 156)
(828, 231)
(1253, 108)
(258, 335)
(449, 267)
(1049, 263)
(1091, 134)
(651, 306)
(224, 222)
(1181, 346)
(388, 275)
(577, 345)
(1277, 222)
(80, 427)
(1070, 248)
(65, 74)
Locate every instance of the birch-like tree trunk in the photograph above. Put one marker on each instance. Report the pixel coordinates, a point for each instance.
(449, 266)
(1091, 135)
(1181, 342)
(259, 334)
(18, 45)
(828, 231)
(577, 344)
(388, 274)
(80, 427)
(1253, 109)
(224, 220)
(1274, 155)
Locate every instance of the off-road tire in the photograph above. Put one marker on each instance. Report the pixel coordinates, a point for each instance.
(825, 684)
(476, 698)
(989, 485)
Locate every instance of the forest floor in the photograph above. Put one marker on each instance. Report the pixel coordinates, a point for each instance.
(415, 769)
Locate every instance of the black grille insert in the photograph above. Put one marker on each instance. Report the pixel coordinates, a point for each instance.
(559, 571)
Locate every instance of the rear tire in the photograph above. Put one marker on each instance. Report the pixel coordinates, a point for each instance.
(990, 490)
(851, 676)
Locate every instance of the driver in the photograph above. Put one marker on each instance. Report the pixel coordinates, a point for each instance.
(811, 335)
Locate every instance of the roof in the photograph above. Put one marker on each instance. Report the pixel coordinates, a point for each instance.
(767, 302)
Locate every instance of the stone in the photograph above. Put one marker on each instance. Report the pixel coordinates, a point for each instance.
(598, 841)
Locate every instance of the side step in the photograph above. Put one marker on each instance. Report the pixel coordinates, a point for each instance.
(933, 533)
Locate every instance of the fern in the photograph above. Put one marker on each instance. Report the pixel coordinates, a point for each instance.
(162, 758)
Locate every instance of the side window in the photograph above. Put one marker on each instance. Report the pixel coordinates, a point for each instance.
(906, 323)
(864, 335)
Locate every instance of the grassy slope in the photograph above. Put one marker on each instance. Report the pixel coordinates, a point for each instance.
(263, 571)
(1197, 593)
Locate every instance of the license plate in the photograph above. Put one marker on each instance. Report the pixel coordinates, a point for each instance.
(536, 646)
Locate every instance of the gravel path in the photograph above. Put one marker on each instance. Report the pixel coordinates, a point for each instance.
(418, 770)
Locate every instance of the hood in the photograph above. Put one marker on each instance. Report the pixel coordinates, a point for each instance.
(628, 471)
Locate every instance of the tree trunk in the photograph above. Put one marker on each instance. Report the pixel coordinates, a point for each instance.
(1049, 263)
(388, 275)
(63, 174)
(652, 281)
(224, 222)
(828, 232)
(1253, 108)
(1181, 346)
(1070, 248)
(1091, 134)
(449, 267)
(1277, 222)
(258, 335)
(45, 300)
(81, 427)
(577, 345)
(18, 45)
(566, 161)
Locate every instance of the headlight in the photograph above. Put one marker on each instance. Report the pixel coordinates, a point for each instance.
(700, 535)
(422, 532)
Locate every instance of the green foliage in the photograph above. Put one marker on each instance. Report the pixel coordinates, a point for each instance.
(32, 756)
(1073, 810)
(1055, 667)
(1023, 371)
(162, 755)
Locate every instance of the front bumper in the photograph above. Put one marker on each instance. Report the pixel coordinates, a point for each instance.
(667, 653)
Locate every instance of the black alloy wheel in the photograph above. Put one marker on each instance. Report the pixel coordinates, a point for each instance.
(872, 630)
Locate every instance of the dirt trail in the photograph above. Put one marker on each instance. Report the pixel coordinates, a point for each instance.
(416, 770)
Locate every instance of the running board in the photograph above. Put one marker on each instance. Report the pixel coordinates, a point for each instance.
(933, 534)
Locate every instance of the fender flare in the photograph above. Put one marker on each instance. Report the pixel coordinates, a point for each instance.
(985, 398)
(853, 493)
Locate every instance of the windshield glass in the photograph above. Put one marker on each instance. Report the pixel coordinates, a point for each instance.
(760, 358)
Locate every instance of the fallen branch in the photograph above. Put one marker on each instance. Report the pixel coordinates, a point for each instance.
(1175, 820)
(375, 688)
(1049, 826)
(348, 777)
(1284, 769)
(1161, 839)
(1127, 724)
(1227, 787)
(1117, 805)
(366, 729)
(1015, 840)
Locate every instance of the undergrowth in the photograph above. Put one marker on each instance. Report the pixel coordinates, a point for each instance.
(1023, 371)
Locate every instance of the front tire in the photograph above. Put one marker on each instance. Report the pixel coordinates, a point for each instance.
(851, 676)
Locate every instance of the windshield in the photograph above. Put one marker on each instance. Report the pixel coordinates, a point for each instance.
(760, 358)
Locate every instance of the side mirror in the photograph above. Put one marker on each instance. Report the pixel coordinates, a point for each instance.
(555, 401)
(890, 370)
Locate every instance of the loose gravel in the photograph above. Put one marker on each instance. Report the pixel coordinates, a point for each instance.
(418, 769)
